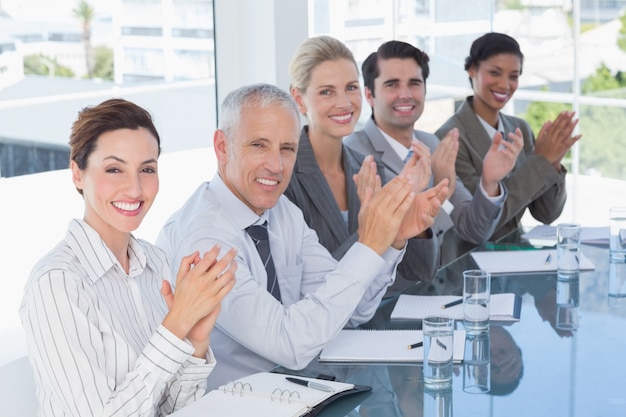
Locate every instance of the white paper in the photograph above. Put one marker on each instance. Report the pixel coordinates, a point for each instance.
(417, 307)
(520, 261)
(383, 346)
(588, 235)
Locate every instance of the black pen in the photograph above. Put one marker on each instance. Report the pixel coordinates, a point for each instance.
(415, 345)
(310, 384)
(548, 259)
(452, 304)
(440, 343)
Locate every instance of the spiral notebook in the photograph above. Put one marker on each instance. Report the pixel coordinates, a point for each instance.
(365, 346)
(267, 394)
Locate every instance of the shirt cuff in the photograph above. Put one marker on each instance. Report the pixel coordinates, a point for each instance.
(165, 354)
(496, 200)
(198, 370)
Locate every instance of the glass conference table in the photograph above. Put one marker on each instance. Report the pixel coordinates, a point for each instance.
(537, 368)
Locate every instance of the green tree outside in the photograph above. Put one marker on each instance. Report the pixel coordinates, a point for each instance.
(35, 65)
(603, 146)
(85, 13)
(103, 63)
(621, 35)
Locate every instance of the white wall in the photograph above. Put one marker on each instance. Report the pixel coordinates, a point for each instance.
(36, 210)
(255, 39)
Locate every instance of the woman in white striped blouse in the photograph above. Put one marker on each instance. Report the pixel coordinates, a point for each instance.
(106, 334)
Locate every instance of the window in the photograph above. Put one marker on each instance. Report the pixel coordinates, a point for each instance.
(140, 50)
(563, 69)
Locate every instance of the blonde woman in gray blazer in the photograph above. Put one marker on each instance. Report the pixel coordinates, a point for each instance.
(325, 86)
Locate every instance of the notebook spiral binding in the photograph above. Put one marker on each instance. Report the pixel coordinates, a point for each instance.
(236, 388)
(284, 395)
(280, 395)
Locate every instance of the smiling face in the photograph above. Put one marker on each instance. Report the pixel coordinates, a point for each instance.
(398, 96)
(119, 182)
(494, 81)
(332, 100)
(257, 162)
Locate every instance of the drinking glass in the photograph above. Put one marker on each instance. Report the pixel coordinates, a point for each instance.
(476, 294)
(438, 351)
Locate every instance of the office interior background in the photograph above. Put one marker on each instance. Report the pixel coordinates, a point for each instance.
(179, 58)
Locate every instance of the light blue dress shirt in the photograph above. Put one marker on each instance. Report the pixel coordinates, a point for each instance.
(320, 295)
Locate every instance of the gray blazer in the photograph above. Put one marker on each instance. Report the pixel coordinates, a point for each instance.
(309, 190)
(533, 183)
(474, 218)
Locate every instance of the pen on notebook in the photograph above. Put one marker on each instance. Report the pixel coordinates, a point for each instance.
(548, 259)
(310, 384)
(415, 345)
(452, 304)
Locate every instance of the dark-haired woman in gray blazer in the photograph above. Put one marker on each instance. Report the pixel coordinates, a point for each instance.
(494, 66)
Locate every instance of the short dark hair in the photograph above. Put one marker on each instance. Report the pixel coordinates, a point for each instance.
(388, 50)
(491, 44)
(110, 115)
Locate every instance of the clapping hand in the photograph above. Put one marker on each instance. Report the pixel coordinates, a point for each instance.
(555, 138)
(201, 284)
(500, 160)
(444, 159)
(423, 211)
(418, 166)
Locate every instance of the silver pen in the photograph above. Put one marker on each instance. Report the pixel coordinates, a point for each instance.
(310, 384)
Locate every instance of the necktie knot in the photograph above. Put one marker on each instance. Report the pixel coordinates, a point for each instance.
(258, 232)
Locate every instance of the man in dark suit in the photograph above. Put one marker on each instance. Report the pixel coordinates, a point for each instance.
(395, 87)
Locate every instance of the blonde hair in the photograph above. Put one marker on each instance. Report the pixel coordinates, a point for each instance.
(313, 52)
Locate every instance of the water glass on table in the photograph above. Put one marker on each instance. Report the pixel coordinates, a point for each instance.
(568, 249)
(438, 351)
(476, 295)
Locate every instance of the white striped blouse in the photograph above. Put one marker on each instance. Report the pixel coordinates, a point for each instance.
(95, 337)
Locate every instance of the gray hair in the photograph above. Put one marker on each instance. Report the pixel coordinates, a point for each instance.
(254, 95)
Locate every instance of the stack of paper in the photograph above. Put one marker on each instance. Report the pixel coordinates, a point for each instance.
(504, 308)
(523, 261)
(588, 235)
(383, 346)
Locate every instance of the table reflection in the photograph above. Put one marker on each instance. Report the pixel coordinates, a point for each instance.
(547, 364)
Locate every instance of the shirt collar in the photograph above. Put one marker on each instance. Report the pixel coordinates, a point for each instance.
(489, 129)
(240, 214)
(94, 254)
(398, 148)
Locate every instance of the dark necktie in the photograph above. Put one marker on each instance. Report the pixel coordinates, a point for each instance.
(261, 240)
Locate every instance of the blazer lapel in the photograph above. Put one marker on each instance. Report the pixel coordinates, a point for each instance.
(480, 140)
(351, 166)
(319, 192)
(386, 154)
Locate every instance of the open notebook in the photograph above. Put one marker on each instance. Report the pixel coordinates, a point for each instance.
(383, 346)
(504, 308)
(267, 394)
